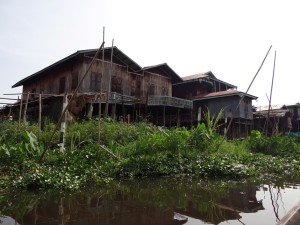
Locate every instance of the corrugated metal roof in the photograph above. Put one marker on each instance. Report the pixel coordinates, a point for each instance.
(164, 69)
(122, 57)
(198, 75)
(220, 94)
(273, 107)
(206, 75)
(272, 113)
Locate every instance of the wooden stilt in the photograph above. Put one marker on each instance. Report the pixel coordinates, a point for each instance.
(63, 124)
(109, 80)
(100, 98)
(40, 116)
(20, 113)
(178, 117)
(191, 111)
(25, 108)
(90, 111)
(164, 116)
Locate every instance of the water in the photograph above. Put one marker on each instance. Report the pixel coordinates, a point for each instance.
(164, 201)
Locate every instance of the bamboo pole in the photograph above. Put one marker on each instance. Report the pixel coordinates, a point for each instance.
(25, 109)
(164, 116)
(20, 113)
(109, 78)
(72, 97)
(178, 117)
(40, 116)
(100, 100)
(242, 98)
(63, 124)
(271, 92)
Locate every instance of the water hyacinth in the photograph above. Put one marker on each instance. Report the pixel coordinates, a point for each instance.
(136, 150)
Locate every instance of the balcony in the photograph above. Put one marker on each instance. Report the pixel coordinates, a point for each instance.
(169, 101)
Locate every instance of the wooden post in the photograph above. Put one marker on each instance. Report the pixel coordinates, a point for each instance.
(63, 124)
(40, 116)
(113, 109)
(199, 116)
(191, 117)
(133, 117)
(225, 125)
(25, 109)
(164, 116)
(270, 101)
(178, 117)
(109, 79)
(90, 111)
(20, 113)
(100, 98)
(123, 108)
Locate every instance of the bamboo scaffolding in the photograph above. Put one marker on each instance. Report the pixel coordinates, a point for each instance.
(242, 98)
(67, 106)
(270, 100)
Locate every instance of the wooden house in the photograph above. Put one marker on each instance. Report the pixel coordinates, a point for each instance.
(115, 84)
(209, 93)
(273, 120)
(295, 111)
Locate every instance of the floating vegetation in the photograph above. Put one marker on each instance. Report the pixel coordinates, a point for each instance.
(139, 150)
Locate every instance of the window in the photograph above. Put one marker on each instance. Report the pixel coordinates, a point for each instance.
(74, 81)
(138, 88)
(116, 84)
(151, 89)
(95, 83)
(62, 84)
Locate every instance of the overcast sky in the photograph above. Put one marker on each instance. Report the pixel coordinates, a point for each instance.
(229, 38)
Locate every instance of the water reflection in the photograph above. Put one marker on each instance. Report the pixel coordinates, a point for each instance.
(158, 201)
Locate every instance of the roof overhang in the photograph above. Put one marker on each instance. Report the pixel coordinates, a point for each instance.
(203, 77)
(165, 70)
(118, 55)
(222, 94)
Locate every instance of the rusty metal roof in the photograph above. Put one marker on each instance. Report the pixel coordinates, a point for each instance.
(272, 113)
(273, 107)
(221, 94)
(117, 53)
(165, 70)
(199, 75)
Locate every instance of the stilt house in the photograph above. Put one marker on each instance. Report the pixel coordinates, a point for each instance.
(209, 93)
(115, 85)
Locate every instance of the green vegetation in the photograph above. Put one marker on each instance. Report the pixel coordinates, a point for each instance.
(141, 150)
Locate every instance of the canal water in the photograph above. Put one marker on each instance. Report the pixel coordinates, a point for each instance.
(163, 201)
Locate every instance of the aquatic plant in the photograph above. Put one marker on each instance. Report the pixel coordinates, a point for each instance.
(135, 150)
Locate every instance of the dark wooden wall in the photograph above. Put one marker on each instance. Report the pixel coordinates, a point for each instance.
(65, 77)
